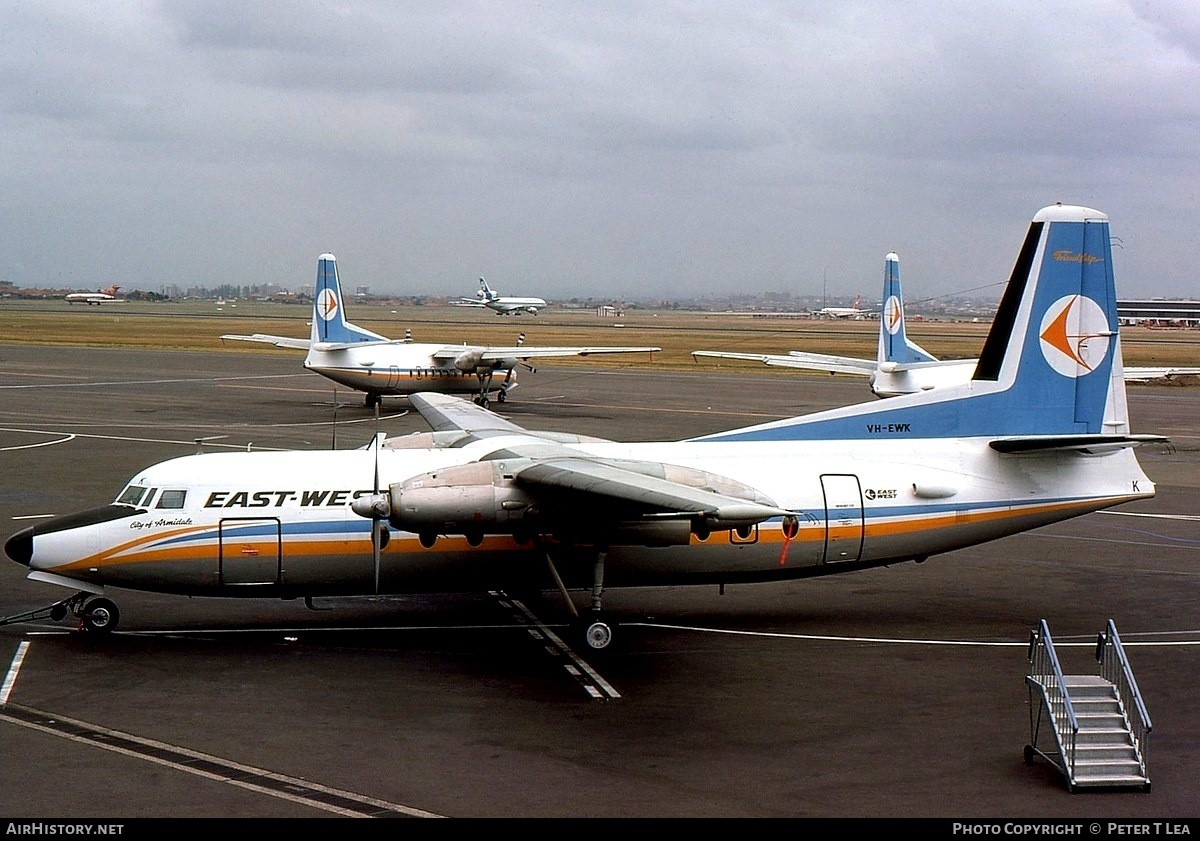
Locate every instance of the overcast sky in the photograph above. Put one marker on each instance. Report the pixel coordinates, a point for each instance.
(624, 150)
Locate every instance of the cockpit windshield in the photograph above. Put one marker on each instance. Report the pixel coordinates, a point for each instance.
(132, 495)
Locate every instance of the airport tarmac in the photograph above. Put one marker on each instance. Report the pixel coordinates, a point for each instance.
(895, 692)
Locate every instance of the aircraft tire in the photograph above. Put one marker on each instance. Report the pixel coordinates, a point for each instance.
(100, 616)
(597, 635)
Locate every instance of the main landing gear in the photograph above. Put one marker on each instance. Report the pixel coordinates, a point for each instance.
(485, 386)
(594, 630)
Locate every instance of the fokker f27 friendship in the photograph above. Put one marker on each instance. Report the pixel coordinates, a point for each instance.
(377, 365)
(901, 366)
(1038, 435)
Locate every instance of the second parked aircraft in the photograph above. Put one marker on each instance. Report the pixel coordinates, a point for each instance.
(377, 365)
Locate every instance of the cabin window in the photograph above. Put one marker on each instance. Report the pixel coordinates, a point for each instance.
(171, 499)
(132, 495)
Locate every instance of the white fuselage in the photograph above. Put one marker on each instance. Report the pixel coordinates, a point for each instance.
(403, 368)
(280, 524)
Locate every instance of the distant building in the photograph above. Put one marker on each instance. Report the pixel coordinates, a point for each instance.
(1159, 313)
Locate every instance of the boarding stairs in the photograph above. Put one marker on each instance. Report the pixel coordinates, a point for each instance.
(1093, 728)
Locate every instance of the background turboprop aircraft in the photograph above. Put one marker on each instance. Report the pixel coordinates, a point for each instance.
(98, 297)
(502, 304)
(377, 365)
(901, 366)
(1039, 435)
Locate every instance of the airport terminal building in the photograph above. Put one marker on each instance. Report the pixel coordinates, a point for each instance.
(1159, 313)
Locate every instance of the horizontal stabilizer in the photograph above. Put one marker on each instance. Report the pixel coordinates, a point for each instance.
(1080, 443)
(278, 341)
(798, 359)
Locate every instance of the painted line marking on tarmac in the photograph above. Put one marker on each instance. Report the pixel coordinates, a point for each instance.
(906, 641)
(593, 684)
(178, 380)
(13, 669)
(1189, 517)
(304, 792)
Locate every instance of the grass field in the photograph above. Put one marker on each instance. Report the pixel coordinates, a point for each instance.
(199, 325)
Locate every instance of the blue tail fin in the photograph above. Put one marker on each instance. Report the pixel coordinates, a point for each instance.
(1051, 365)
(329, 322)
(485, 292)
(894, 344)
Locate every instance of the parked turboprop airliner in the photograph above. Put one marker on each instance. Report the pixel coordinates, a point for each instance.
(901, 366)
(377, 365)
(1040, 434)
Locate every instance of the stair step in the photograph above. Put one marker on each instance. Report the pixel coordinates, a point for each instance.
(1100, 752)
(1113, 782)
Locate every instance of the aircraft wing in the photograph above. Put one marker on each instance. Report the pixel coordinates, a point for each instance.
(569, 480)
(530, 351)
(444, 413)
(277, 341)
(629, 485)
(467, 302)
(489, 353)
(1142, 374)
(799, 359)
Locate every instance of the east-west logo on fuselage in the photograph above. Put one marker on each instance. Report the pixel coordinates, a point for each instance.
(1075, 335)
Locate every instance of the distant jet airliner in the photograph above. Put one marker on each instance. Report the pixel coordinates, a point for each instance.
(98, 297)
(844, 312)
(502, 304)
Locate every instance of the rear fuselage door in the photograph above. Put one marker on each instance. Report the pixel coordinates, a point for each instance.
(843, 518)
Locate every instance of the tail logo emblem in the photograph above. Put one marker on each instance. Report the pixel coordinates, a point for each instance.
(1075, 335)
(893, 314)
(327, 304)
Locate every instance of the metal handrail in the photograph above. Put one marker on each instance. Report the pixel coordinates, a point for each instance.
(1114, 667)
(1044, 667)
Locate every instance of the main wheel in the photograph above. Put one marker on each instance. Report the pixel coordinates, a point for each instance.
(100, 616)
(502, 396)
(597, 635)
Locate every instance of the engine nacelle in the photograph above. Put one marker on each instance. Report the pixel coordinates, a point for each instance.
(472, 499)
(468, 360)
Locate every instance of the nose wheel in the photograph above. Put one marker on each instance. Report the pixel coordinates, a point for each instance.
(99, 616)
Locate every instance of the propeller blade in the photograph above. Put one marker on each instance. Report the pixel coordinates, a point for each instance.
(376, 523)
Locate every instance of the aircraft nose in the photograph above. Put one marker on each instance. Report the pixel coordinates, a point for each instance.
(19, 547)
